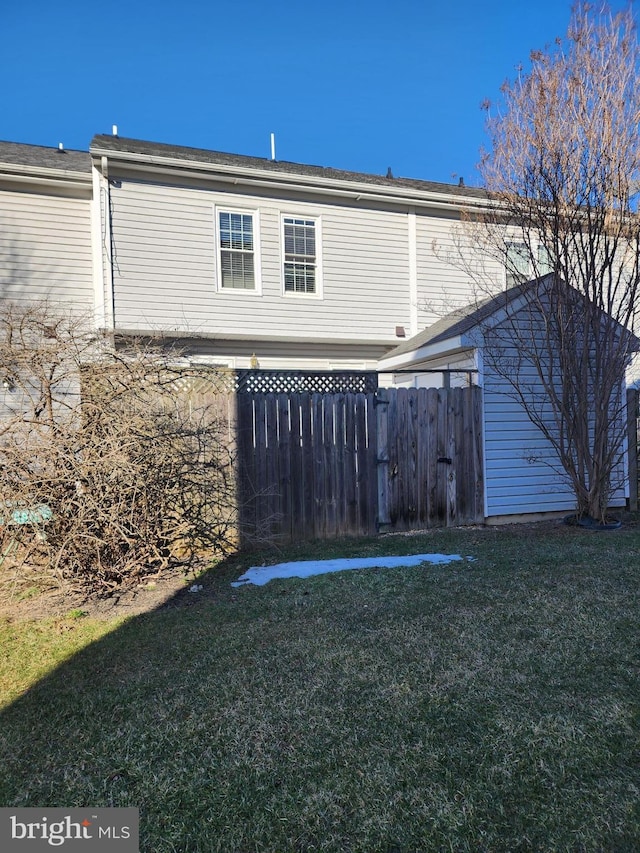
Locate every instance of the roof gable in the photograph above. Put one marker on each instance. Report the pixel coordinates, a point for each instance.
(460, 321)
(457, 327)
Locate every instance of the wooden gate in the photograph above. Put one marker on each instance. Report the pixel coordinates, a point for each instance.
(320, 465)
(430, 452)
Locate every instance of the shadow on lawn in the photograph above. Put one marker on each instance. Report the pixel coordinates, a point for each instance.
(284, 717)
(122, 722)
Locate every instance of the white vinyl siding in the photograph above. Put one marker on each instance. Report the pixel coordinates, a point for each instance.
(45, 248)
(522, 474)
(166, 261)
(236, 247)
(522, 471)
(448, 268)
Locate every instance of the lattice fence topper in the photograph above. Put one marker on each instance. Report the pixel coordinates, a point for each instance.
(300, 381)
(202, 381)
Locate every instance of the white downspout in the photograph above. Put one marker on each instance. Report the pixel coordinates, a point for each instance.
(413, 272)
(101, 248)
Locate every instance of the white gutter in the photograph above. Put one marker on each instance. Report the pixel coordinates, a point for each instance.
(409, 359)
(413, 271)
(222, 337)
(43, 175)
(101, 252)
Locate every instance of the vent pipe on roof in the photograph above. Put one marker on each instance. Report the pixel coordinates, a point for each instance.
(273, 146)
(60, 146)
(114, 130)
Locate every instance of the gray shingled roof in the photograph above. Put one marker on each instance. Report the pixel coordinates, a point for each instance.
(461, 321)
(464, 319)
(116, 144)
(45, 158)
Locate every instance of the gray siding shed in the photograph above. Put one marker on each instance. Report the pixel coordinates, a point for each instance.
(522, 473)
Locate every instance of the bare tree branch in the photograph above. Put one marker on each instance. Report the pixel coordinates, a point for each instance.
(563, 176)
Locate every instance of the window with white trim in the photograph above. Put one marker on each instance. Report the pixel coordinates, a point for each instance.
(521, 265)
(236, 250)
(517, 264)
(545, 264)
(300, 258)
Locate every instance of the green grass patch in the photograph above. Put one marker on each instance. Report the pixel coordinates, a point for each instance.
(486, 705)
(31, 650)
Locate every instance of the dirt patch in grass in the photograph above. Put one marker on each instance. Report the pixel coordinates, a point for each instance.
(33, 603)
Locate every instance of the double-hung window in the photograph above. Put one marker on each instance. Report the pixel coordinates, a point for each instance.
(300, 255)
(521, 265)
(517, 264)
(237, 250)
(545, 263)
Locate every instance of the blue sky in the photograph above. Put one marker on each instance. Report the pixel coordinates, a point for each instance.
(353, 85)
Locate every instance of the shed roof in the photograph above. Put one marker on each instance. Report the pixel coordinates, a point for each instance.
(460, 321)
(463, 320)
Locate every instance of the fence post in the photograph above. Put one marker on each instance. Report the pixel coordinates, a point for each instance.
(632, 446)
(382, 428)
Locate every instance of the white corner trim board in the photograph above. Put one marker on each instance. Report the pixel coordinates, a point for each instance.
(260, 575)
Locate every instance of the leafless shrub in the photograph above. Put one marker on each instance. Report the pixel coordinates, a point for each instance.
(113, 464)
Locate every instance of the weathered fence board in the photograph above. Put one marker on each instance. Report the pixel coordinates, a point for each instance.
(633, 442)
(434, 455)
(308, 469)
(320, 465)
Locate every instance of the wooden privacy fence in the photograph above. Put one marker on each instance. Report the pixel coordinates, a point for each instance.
(430, 457)
(307, 465)
(319, 465)
(633, 439)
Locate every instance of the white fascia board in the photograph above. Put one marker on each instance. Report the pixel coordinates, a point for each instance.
(248, 176)
(221, 335)
(407, 360)
(478, 359)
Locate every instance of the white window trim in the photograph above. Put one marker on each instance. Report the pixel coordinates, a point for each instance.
(257, 266)
(513, 243)
(319, 282)
(533, 269)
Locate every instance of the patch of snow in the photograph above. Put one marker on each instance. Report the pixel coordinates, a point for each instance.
(260, 575)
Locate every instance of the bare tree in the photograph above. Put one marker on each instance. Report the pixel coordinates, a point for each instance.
(562, 176)
(113, 464)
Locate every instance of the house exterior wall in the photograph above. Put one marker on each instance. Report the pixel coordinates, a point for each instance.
(379, 270)
(165, 267)
(45, 247)
(450, 272)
